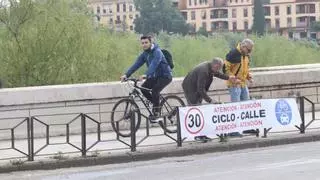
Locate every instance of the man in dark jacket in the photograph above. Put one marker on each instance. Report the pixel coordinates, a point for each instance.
(158, 74)
(197, 83)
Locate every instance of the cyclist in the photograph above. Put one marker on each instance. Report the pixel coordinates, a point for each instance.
(158, 74)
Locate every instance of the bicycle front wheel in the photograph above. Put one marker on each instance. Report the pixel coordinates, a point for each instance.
(122, 113)
(168, 107)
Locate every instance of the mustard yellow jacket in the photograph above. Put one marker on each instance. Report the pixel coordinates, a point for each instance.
(237, 64)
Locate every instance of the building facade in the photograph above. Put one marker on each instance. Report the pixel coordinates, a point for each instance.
(291, 18)
(116, 14)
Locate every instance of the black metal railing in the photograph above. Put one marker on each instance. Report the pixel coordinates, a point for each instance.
(84, 119)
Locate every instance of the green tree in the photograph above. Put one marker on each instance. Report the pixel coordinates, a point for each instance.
(258, 18)
(47, 42)
(316, 26)
(159, 15)
(202, 31)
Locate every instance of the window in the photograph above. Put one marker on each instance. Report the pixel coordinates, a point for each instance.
(277, 23)
(130, 8)
(246, 25)
(245, 12)
(110, 10)
(104, 11)
(110, 21)
(290, 35)
(312, 8)
(213, 26)
(203, 2)
(204, 25)
(118, 18)
(130, 16)
(234, 26)
(124, 7)
(118, 7)
(190, 2)
(234, 13)
(124, 17)
(230, 1)
(185, 15)
(131, 28)
(195, 2)
(288, 9)
(98, 10)
(212, 14)
(193, 15)
(204, 14)
(276, 10)
(266, 11)
(289, 22)
(242, 1)
(236, 1)
(303, 35)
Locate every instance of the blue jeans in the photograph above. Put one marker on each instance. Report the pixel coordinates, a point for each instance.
(239, 94)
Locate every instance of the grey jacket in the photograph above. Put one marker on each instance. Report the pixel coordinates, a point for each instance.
(199, 80)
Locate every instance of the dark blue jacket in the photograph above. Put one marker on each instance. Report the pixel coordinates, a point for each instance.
(156, 63)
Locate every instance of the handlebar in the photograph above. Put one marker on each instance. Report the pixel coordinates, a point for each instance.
(133, 80)
(135, 83)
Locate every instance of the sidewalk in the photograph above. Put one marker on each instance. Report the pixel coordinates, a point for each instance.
(155, 146)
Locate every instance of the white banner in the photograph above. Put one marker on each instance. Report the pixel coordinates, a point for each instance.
(213, 119)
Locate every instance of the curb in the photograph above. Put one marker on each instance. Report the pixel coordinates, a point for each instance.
(173, 151)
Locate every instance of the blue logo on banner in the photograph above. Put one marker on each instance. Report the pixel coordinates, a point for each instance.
(283, 112)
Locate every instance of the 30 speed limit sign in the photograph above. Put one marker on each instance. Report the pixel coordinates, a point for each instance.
(194, 121)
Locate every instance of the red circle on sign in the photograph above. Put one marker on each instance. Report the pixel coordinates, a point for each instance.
(201, 120)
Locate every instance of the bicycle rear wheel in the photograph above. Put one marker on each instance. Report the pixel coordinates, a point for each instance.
(121, 115)
(168, 108)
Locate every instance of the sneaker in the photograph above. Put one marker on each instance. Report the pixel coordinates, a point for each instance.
(155, 118)
(202, 139)
(235, 134)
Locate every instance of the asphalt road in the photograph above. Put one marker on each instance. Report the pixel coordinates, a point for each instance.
(294, 162)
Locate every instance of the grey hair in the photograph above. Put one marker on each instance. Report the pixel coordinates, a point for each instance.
(217, 60)
(247, 42)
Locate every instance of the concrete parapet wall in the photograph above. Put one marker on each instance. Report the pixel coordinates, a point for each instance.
(97, 99)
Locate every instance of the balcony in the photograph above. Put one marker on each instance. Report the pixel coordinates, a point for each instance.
(302, 24)
(219, 14)
(219, 26)
(219, 3)
(305, 21)
(306, 9)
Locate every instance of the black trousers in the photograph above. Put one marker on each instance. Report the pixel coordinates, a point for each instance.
(193, 98)
(156, 85)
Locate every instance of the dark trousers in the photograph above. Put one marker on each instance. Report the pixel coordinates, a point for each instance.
(156, 85)
(192, 98)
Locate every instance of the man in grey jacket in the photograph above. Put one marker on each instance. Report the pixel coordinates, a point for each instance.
(198, 81)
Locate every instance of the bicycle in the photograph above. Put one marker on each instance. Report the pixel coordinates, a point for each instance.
(132, 110)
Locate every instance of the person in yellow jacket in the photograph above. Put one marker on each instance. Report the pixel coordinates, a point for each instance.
(237, 64)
